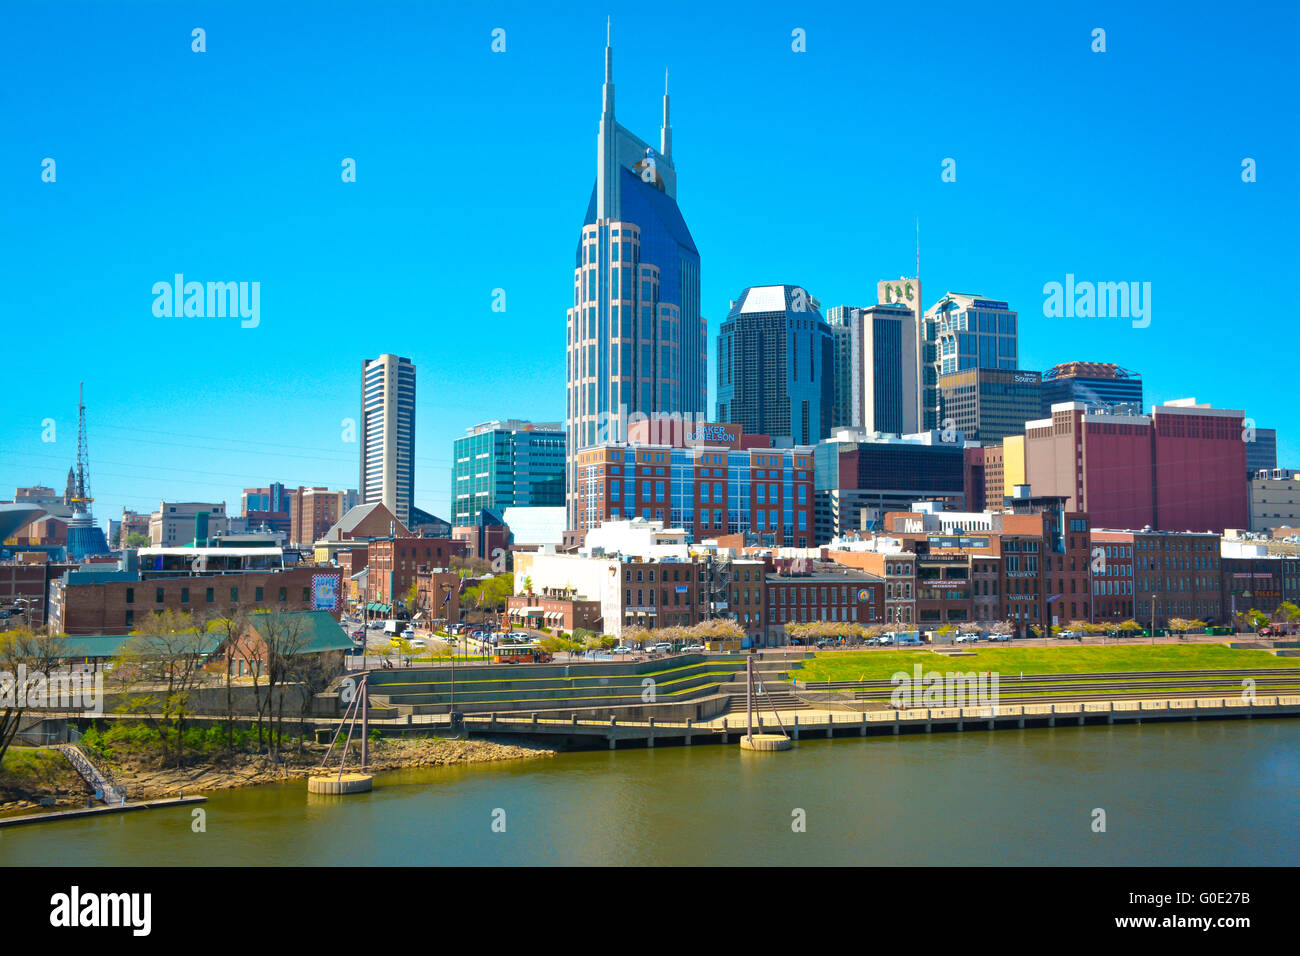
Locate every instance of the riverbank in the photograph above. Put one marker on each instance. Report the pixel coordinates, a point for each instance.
(249, 770)
(142, 781)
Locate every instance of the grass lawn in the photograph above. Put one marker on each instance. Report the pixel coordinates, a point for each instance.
(1009, 661)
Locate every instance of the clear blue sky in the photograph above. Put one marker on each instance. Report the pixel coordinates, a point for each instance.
(474, 171)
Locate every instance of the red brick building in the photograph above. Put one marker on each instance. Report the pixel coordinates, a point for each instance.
(717, 482)
(393, 564)
(1183, 468)
(113, 601)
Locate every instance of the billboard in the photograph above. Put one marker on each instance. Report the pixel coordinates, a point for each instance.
(324, 592)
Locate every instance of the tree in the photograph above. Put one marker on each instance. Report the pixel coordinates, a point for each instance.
(1182, 625)
(284, 636)
(1004, 627)
(24, 651)
(228, 625)
(137, 539)
(160, 667)
(1256, 619)
(1289, 611)
(1128, 626)
(413, 597)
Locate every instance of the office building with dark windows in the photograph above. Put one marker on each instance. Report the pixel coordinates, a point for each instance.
(861, 476)
(988, 404)
(776, 362)
(875, 384)
(1096, 384)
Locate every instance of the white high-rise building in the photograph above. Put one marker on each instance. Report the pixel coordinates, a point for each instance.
(388, 434)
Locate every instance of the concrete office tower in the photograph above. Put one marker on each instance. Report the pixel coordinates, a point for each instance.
(907, 292)
(636, 340)
(961, 332)
(388, 434)
(776, 361)
(875, 384)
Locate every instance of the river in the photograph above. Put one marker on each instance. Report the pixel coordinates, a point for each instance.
(1205, 793)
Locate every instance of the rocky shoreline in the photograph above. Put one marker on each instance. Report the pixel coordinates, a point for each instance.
(245, 770)
(143, 782)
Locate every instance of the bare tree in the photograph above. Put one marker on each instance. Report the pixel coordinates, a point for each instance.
(27, 657)
(161, 667)
(284, 636)
(228, 625)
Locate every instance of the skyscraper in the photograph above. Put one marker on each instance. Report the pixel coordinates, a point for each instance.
(388, 433)
(776, 360)
(636, 340)
(962, 332)
(875, 368)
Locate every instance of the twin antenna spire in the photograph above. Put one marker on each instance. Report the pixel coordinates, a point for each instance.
(666, 131)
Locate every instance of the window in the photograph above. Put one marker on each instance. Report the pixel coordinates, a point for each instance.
(130, 597)
(234, 595)
(158, 595)
(257, 595)
(185, 595)
(210, 595)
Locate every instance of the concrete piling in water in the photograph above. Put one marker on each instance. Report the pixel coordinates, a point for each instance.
(795, 729)
(650, 740)
(689, 724)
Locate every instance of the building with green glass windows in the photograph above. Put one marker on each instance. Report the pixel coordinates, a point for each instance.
(504, 464)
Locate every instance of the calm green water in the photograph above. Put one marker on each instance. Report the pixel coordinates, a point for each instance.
(1181, 793)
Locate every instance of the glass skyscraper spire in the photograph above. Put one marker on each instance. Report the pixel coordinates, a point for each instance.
(637, 344)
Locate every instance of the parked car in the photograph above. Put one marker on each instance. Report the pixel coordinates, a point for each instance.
(1071, 636)
(996, 638)
(967, 639)
(694, 649)
(663, 647)
(622, 649)
(359, 633)
(408, 633)
(910, 639)
(885, 639)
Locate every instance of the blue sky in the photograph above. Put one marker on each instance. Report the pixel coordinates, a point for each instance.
(474, 170)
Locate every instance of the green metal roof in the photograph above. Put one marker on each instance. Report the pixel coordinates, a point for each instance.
(104, 646)
(321, 631)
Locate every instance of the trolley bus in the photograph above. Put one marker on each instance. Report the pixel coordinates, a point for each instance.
(520, 654)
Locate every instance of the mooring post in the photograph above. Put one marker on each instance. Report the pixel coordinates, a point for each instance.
(689, 724)
(650, 741)
(365, 722)
(795, 729)
(864, 724)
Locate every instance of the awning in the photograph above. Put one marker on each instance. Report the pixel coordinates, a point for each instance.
(379, 608)
(531, 611)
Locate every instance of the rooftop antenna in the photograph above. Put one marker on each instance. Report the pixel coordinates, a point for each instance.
(81, 498)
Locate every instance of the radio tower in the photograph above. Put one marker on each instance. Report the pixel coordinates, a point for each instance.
(81, 496)
(84, 538)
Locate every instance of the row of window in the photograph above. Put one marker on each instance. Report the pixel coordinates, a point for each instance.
(210, 595)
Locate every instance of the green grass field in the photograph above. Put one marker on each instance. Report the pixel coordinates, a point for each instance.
(1009, 661)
